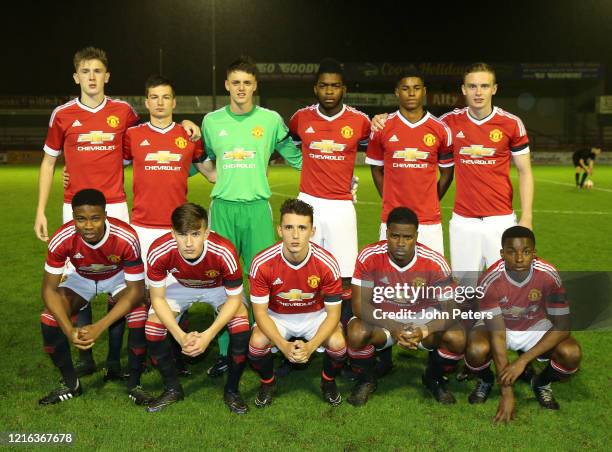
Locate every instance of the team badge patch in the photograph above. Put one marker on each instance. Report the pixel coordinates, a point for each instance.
(211, 273)
(346, 132)
(112, 121)
(313, 281)
(429, 139)
(496, 135)
(418, 282)
(114, 258)
(181, 142)
(257, 131)
(534, 295)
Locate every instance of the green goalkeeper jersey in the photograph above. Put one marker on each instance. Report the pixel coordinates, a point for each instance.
(242, 145)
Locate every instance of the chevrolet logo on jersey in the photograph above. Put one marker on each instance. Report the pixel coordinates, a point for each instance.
(95, 137)
(97, 268)
(327, 146)
(410, 154)
(476, 151)
(162, 157)
(296, 295)
(238, 154)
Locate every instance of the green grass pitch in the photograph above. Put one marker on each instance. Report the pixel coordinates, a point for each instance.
(573, 232)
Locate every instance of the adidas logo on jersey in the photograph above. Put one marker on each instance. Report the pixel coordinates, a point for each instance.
(223, 133)
(145, 142)
(78, 256)
(460, 134)
(76, 123)
(310, 130)
(277, 281)
(393, 139)
(174, 270)
(384, 280)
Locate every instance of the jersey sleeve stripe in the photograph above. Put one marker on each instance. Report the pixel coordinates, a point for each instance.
(260, 300)
(225, 254)
(362, 282)
(373, 162)
(550, 270)
(265, 256)
(490, 278)
(161, 283)
(60, 108)
(54, 270)
(558, 311)
(519, 122)
(134, 276)
(61, 237)
(366, 255)
(329, 261)
(520, 151)
(160, 251)
(52, 152)
(433, 256)
(234, 290)
(129, 238)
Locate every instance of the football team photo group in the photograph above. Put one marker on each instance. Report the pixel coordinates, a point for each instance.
(299, 289)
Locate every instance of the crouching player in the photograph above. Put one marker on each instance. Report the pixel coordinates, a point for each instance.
(192, 264)
(403, 294)
(296, 291)
(106, 255)
(524, 309)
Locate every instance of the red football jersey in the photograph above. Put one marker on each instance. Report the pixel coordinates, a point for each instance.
(329, 148)
(217, 266)
(295, 289)
(411, 154)
(161, 160)
(482, 150)
(523, 305)
(92, 140)
(118, 250)
(428, 272)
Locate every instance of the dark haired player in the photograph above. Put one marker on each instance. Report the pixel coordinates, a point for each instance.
(190, 265)
(583, 162)
(106, 256)
(240, 138)
(405, 159)
(330, 133)
(400, 259)
(295, 292)
(527, 311)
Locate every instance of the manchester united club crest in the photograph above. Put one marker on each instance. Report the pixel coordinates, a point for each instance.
(112, 121)
(114, 258)
(418, 282)
(180, 142)
(496, 135)
(257, 131)
(429, 139)
(211, 273)
(313, 281)
(346, 132)
(534, 295)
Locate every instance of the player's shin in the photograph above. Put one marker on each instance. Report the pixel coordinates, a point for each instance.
(56, 345)
(239, 335)
(115, 339)
(158, 345)
(84, 317)
(137, 344)
(333, 361)
(262, 363)
(362, 361)
(553, 372)
(440, 362)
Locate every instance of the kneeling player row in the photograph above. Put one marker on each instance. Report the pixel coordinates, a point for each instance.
(296, 293)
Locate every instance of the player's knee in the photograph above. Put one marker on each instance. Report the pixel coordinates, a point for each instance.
(336, 341)
(477, 351)
(258, 339)
(569, 353)
(454, 340)
(358, 334)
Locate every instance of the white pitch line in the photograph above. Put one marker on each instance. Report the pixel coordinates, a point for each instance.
(567, 184)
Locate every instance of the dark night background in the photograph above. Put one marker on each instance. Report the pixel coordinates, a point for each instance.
(40, 37)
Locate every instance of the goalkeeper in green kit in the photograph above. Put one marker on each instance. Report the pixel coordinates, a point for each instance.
(240, 138)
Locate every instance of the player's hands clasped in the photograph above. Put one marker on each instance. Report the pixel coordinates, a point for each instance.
(78, 339)
(196, 343)
(301, 352)
(511, 372)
